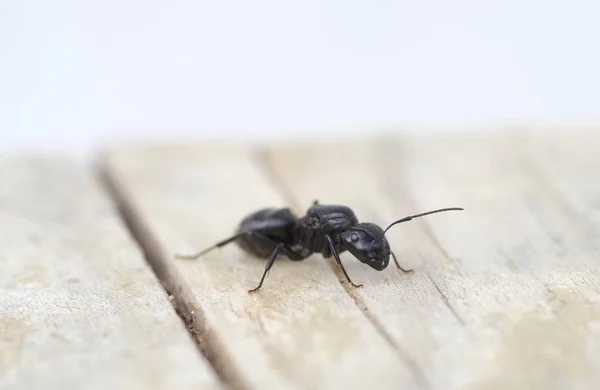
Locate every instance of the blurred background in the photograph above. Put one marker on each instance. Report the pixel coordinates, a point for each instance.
(76, 74)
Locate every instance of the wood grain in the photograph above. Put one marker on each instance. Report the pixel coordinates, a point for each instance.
(497, 299)
(79, 307)
(532, 297)
(302, 330)
(570, 166)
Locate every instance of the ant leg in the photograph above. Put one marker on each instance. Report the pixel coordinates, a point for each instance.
(267, 267)
(337, 258)
(398, 264)
(278, 247)
(289, 252)
(217, 245)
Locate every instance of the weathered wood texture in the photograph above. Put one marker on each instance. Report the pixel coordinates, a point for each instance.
(504, 294)
(79, 306)
(302, 331)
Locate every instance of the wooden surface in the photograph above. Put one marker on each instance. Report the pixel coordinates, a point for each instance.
(504, 295)
(302, 330)
(79, 307)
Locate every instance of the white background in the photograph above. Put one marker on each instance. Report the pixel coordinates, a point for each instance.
(75, 73)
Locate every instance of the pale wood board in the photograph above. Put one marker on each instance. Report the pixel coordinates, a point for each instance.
(407, 306)
(532, 264)
(570, 165)
(504, 294)
(302, 330)
(79, 307)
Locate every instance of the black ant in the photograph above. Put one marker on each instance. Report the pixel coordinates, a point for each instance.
(328, 229)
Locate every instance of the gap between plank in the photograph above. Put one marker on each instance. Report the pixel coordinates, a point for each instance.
(436, 243)
(191, 315)
(446, 301)
(263, 161)
(428, 232)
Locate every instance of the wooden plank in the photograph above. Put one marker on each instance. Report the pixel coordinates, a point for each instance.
(538, 295)
(574, 179)
(301, 330)
(407, 306)
(523, 305)
(79, 307)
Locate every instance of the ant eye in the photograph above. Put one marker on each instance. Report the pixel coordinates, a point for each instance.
(354, 237)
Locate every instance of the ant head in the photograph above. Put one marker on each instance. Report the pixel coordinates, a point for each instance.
(366, 242)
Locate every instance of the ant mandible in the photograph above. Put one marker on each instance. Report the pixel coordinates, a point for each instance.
(326, 229)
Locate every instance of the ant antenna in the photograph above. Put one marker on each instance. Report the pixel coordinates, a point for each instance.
(406, 219)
